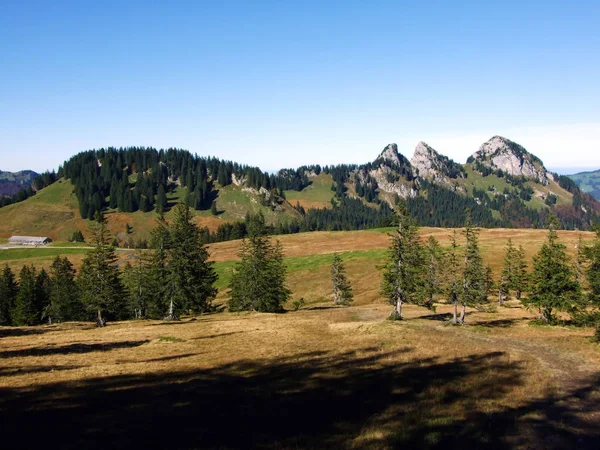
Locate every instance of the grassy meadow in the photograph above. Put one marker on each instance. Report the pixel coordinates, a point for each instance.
(320, 377)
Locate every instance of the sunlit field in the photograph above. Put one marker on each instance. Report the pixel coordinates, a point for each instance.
(320, 377)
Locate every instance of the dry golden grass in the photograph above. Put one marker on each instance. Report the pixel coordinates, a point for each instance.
(322, 377)
(341, 377)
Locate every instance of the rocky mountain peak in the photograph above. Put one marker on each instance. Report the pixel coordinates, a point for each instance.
(390, 154)
(510, 157)
(426, 160)
(428, 163)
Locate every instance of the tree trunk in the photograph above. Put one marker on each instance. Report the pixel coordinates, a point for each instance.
(463, 313)
(500, 297)
(455, 311)
(518, 294)
(399, 308)
(100, 320)
(170, 316)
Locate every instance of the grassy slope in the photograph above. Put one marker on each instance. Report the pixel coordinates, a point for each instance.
(317, 195)
(475, 179)
(54, 212)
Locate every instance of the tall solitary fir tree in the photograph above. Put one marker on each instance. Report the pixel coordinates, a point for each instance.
(554, 286)
(433, 260)
(507, 276)
(475, 275)
(191, 277)
(99, 281)
(519, 273)
(453, 275)
(342, 290)
(8, 295)
(403, 278)
(258, 280)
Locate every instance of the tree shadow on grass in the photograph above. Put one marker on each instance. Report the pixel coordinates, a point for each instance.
(50, 350)
(442, 317)
(498, 323)
(366, 399)
(18, 371)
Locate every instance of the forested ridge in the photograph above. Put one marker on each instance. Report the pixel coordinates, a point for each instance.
(140, 179)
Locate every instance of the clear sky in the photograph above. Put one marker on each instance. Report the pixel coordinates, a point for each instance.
(280, 84)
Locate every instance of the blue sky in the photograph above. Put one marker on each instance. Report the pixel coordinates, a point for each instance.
(280, 84)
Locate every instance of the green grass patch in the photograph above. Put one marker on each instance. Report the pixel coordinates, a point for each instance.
(319, 191)
(30, 253)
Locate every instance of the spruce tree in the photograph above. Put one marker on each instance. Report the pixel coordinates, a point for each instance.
(519, 273)
(403, 278)
(258, 280)
(191, 275)
(64, 299)
(26, 310)
(342, 290)
(475, 282)
(453, 275)
(8, 295)
(99, 280)
(592, 254)
(553, 282)
(507, 276)
(161, 199)
(138, 284)
(42, 284)
(434, 256)
(158, 277)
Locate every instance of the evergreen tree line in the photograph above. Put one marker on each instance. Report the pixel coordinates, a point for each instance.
(418, 273)
(139, 178)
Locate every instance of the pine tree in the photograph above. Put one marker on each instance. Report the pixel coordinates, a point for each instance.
(553, 283)
(191, 275)
(26, 310)
(42, 284)
(138, 284)
(520, 276)
(8, 295)
(342, 290)
(258, 280)
(64, 299)
(475, 276)
(404, 273)
(158, 276)
(453, 275)
(592, 254)
(507, 276)
(99, 281)
(434, 256)
(161, 199)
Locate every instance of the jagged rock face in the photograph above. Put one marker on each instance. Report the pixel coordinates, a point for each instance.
(510, 157)
(390, 155)
(428, 163)
(381, 177)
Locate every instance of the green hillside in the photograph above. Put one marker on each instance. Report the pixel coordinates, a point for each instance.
(317, 194)
(588, 182)
(54, 212)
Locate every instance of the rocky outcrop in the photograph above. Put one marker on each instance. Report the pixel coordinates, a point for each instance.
(393, 173)
(510, 157)
(428, 163)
